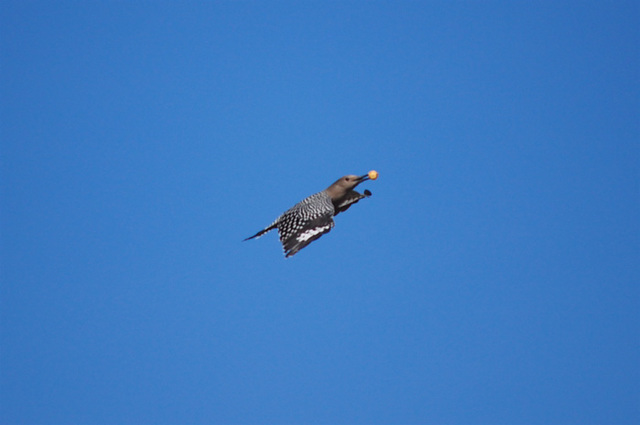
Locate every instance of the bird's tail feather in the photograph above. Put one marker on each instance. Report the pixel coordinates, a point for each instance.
(262, 232)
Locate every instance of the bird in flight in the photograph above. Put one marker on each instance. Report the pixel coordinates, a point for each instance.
(312, 217)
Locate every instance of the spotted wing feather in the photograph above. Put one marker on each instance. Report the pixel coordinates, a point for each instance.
(298, 233)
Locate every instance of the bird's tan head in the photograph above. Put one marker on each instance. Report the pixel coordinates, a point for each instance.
(346, 183)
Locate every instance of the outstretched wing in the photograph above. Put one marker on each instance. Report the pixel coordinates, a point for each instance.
(296, 231)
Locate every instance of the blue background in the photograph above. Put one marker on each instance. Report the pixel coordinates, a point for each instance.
(491, 279)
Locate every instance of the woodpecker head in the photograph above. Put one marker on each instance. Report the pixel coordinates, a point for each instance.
(344, 184)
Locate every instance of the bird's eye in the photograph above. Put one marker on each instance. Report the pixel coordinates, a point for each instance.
(346, 178)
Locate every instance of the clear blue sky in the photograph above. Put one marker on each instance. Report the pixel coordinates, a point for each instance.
(492, 278)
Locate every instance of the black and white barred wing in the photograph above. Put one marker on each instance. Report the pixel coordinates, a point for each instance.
(296, 232)
(305, 222)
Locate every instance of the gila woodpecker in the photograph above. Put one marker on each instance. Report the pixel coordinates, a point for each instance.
(312, 217)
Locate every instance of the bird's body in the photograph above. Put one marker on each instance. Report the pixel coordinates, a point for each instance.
(312, 217)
